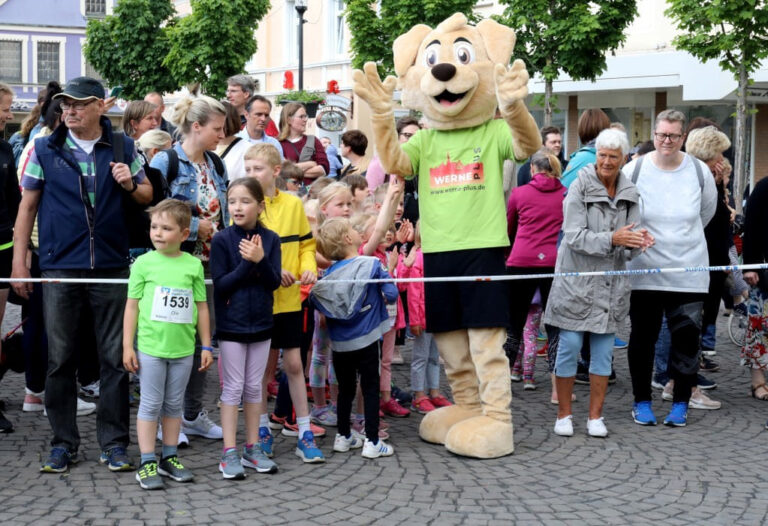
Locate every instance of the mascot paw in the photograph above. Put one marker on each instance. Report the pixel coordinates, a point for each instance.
(435, 424)
(480, 437)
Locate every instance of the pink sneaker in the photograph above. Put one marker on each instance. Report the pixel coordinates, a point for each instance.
(33, 402)
(392, 408)
(422, 405)
(440, 401)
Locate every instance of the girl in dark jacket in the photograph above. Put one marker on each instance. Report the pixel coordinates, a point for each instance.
(245, 266)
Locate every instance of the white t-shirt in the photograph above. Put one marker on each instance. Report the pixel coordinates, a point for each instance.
(234, 159)
(86, 146)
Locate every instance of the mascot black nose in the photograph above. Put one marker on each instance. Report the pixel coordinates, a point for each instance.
(444, 72)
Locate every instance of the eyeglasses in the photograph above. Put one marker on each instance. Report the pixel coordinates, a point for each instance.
(76, 106)
(662, 137)
(407, 135)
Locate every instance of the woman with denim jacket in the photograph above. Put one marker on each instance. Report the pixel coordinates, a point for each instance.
(201, 122)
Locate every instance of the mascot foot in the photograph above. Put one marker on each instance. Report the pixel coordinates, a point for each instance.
(435, 424)
(480, 437)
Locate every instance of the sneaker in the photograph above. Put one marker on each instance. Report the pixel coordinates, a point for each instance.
(529, 385)
(564, 426)
(392, 408)
(708, 366)
(254, 458)
(542, 352)
(272, 388)
(265, 442)
(231, 466)
(741, 309)
(116, 459)
(704, 383)
(669, 390)
(324, 416)
(83, 408)
(440, 401)
(706, 351)
(6, 426)
(172, 467)
(148, 477)
(422, 405)
(397, 357)
(678, 416)
(91, 390)
(276, 422)
(292, 430)
(33, 402)
(516, 377)
(642, 413)
(701, 401)
(307, 450)
(379, 449)
(183, 438)
(612, 377)
(596, 428)
(582, 378)
(404, 398)
(343, 444)
(659, 381)
(202, 426)
(58, 461)
(618, 343)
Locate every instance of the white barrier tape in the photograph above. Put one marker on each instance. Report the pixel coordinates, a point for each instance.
(504, 277)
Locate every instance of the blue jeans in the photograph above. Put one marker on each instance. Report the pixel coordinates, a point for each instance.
(601, 346)
(63, 304)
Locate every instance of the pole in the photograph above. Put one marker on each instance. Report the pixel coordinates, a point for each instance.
(301, 9)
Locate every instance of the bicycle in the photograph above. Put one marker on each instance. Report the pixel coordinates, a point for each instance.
(737, 327)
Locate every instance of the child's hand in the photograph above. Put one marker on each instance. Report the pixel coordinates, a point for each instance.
(404, 232)
(130, 362)
(392, 257)
(252, 249)
(206, 359)
(416, 330)
(308, 278)
(287, 278)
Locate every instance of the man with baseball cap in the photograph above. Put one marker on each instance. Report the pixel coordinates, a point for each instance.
(75, 182)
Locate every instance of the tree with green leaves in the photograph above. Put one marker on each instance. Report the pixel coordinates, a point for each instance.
(735, 34)
(374, 32)
(568, 36)
(128, 47)
(214, 42)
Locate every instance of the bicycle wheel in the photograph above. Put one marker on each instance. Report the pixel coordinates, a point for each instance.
(737, 328)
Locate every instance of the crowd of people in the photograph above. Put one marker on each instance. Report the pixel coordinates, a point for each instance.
(290, 236)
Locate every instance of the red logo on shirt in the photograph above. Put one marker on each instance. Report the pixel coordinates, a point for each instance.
(456, 174)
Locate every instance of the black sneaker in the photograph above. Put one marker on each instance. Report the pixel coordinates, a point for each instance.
(612, 377)
(148, 477)
(582, 378)
(5, 425)
(705, 383)
(171, 467)
(708, 366)
(116, 459)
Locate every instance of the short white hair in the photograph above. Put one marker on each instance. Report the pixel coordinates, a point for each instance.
(612, 139)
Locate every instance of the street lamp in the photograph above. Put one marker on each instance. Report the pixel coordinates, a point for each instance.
(301, 8)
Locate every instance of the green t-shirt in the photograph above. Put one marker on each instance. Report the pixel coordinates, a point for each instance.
(461, 195)
(167, 289)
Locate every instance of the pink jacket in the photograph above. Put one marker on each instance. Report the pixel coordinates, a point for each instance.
(416, 314)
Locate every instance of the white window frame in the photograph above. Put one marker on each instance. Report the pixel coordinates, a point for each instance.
(109, 8)
(62, 41)
(291, 33)
(335, 48)
(24, 39)
(83, 61)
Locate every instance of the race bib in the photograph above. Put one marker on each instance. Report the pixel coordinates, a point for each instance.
(392, 313)
(173, 305)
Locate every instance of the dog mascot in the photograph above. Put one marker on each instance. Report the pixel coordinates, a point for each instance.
(457, 75)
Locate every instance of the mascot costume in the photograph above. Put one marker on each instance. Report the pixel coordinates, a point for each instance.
(457, 75)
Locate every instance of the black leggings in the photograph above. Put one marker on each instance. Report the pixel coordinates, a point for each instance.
(348, 365)
(521, 292)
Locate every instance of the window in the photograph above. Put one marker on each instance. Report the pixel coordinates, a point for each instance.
(291, 32)
(336, 29)
(95, 8)
(10, 61)
(91, 72)
(47, 62)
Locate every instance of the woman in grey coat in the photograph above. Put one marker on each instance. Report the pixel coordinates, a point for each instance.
(600, 213)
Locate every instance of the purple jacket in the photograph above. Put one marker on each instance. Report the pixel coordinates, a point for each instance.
(534, 219)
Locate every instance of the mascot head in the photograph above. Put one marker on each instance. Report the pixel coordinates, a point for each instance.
(447, 73)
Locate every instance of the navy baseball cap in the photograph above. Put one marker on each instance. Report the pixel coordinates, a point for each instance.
(82, 88)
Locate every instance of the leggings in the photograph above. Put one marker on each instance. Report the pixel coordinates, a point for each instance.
(163, 381)
(350, 364)
(527, 360)
(387, 351)
(320, 367)
(425, 364)
(242, 368)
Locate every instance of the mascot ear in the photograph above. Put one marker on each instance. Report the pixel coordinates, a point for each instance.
(406, 47)
(499, 40)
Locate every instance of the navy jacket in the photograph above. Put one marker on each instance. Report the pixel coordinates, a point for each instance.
(73, 234)
(243, 290)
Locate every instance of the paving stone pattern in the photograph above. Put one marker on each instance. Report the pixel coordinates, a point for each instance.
(712, 471)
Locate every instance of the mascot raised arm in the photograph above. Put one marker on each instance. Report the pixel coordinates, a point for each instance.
(456, 75)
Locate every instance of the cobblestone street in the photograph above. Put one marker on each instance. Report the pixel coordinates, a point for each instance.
(712, 471)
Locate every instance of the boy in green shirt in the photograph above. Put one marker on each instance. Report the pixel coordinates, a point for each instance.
(166, 299)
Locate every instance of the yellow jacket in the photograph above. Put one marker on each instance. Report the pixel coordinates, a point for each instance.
(284, 215)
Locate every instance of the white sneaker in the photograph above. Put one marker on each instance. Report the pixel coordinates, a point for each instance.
(33, 402)
(397, 357)
(564, 426)
(343, 444)
(83, 408)
(668, 392)
(379, 449)
(596, 428)
(183, 439)
(92, 389)
(701, 401)
(202, 426)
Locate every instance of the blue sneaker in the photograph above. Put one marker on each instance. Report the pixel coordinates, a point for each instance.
(265, 441)
(643, 414)
(678, 416)
(116, 459)
(58, 461)
(618, 343)
(307, 450)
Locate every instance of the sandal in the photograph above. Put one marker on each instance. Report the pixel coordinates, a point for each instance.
(755, 388)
